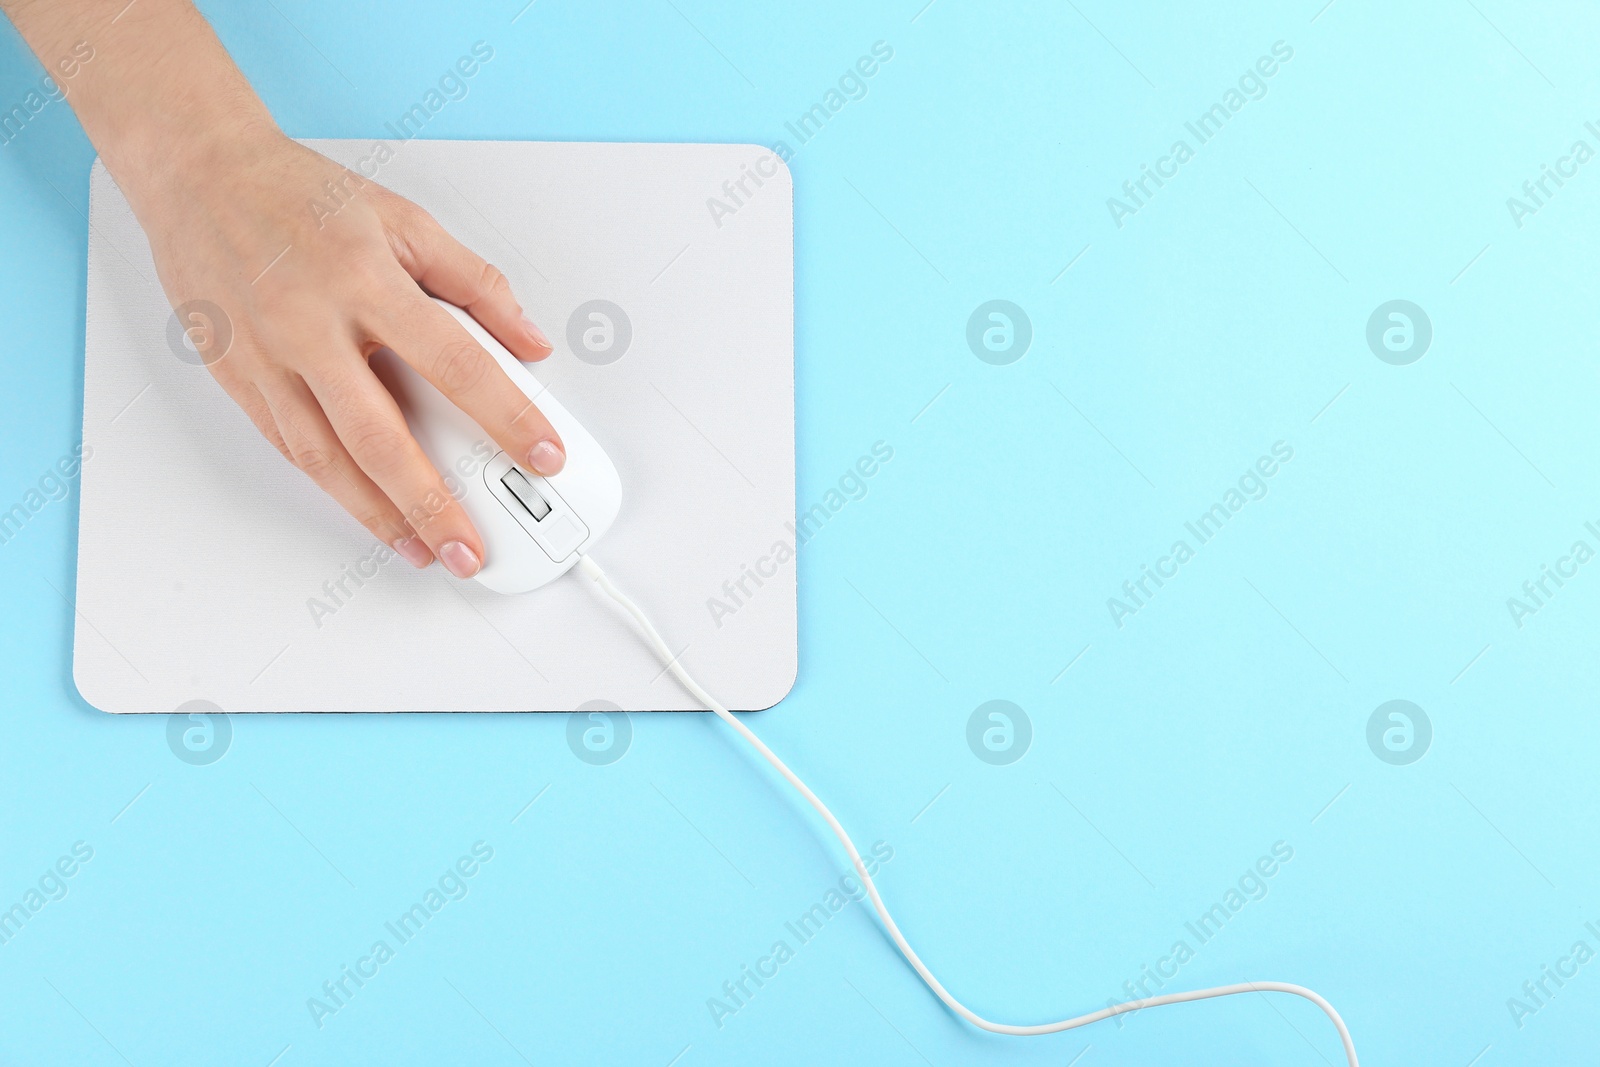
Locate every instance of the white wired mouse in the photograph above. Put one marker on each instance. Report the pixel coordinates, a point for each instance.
(534, 529)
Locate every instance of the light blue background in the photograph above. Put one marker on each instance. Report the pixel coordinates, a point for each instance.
(1224, 717)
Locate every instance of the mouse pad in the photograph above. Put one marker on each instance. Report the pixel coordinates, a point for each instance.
(211, 570)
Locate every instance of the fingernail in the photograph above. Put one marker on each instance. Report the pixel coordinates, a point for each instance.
(546, 458)
(536, 334)
(414, 550)
(459, 560)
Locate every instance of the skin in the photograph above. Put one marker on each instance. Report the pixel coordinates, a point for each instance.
(224, 197)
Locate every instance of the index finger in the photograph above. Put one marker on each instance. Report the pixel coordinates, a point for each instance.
(426, 336)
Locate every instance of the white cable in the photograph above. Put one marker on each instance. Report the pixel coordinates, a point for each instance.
(592, 571)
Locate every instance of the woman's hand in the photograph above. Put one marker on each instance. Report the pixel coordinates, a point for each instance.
(310, 292)
(227, 202)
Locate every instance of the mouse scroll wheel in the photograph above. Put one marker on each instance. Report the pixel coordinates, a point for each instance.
(518, 485)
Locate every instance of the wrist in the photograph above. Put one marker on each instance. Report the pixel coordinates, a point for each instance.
(189, 167)
(156, 92)
(169, 157)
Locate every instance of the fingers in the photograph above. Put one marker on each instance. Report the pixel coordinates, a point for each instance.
(311, 444)
(250, 400)
(370, 426)
(430, 340)
(449, 270)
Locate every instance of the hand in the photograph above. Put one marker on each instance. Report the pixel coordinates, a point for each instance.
(310, 295)
(226, 200)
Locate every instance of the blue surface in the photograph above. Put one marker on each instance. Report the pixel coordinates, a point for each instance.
(1228, 714)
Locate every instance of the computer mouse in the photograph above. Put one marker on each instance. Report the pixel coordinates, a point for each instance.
(534, 529)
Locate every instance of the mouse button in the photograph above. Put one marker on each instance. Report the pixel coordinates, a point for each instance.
(560, 535)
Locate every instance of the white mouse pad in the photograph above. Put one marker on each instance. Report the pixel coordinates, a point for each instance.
(209, 569)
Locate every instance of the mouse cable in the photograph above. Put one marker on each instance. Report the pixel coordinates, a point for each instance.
(591, 570)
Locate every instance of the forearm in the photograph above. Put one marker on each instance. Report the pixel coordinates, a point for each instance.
(153, 87)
